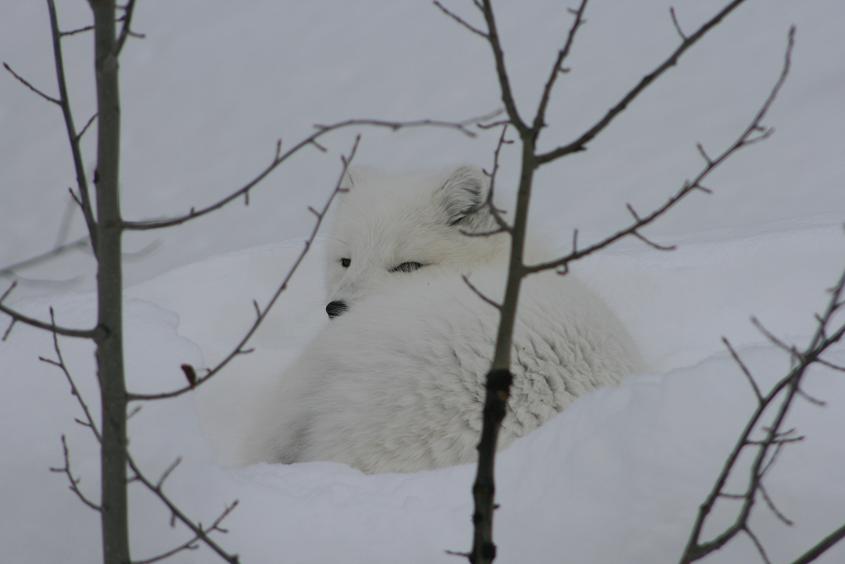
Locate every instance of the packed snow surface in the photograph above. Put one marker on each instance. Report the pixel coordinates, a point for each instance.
(618, 476)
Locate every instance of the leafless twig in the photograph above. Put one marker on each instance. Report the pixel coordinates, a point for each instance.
(72, 480)
(29, 85)
(581, 142)
(88, 421)
(279, 158)
(480, 294)
(17, 317)
(822, 546)
(72, 135)
(261, 313)
(779, 399)
(492, 35)
(201, 534)
(688, 187)
(190, 544)
(499, 378)
(489, 203)
(558, 66)
(126, 29)
(675, 23)
(86, 126)
(59, 363)
(460, 20)
(83, 29)
(745, 371)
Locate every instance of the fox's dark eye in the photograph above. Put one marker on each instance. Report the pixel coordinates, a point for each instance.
(407, 267)
(345, 262)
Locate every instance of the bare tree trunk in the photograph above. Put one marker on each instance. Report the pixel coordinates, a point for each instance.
(109, 290)
(500, 378)
(502, 358)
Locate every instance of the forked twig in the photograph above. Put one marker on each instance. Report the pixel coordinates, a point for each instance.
(261, 313)
(786, 389)
(321, 130)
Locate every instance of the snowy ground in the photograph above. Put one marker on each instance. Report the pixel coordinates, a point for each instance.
(615, 478)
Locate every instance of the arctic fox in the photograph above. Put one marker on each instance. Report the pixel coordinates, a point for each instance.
(395, 381)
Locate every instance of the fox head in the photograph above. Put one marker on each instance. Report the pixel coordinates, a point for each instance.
(389, 228)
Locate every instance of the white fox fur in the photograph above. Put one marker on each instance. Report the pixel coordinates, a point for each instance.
(395, 382)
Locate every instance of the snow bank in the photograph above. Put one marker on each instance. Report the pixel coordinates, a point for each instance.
(615, 478)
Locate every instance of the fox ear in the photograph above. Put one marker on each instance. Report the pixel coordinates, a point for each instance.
(462, 197)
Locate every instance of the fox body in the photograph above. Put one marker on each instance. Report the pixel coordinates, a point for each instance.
(395, 381)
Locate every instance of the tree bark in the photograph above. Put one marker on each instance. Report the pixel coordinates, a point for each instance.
(500, 378)
(109, 290)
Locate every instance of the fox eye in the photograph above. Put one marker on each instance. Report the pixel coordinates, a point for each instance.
(345, 262)
(407, 267)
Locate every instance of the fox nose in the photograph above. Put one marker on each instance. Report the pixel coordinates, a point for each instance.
(336, 308)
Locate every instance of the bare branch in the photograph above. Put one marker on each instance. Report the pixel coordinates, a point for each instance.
(580, 144)
(788, 387)
(688, 187)
(460, 20)
(745, 370)
(822, 546)
(496, 213)
(168, 471)
(651, 243)
(201, 534)
(774, 441)
(8, 330)
(757, 544)
(87, 422)
(821, 361)
(642, 237)
(8, 291)
(73, 137)
(703, 153)
(778, 513)
(76, 31)
(18, 317)
(125, 30)
(815, 401)
(261, 314)
(676, 24)
(480, 294)
(492, 124)
(773, 339)
(557, 66)
(73, 481)
(501, 70)
(86, 126)
(29, 85)
(768, 465)
(462, 127)
(74, 390)
(190, 544)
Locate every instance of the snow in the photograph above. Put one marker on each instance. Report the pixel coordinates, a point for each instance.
(615, 478)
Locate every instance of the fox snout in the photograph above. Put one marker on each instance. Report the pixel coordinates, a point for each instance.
(335, 308)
